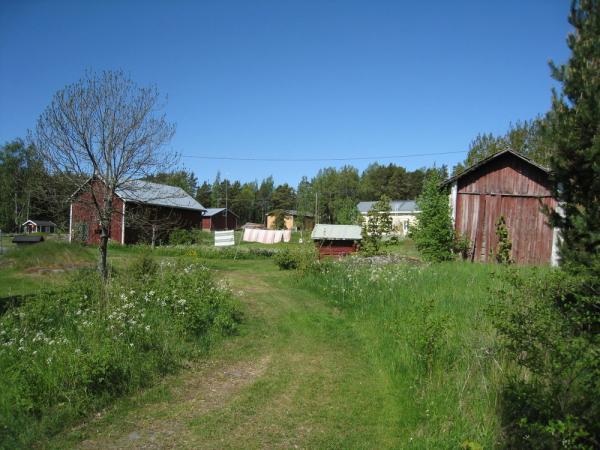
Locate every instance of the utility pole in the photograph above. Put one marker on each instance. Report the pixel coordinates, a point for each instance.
(226, 206)
(316, 207)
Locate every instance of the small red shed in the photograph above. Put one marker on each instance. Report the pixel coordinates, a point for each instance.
(336, 240)
(510, 185)
(218, 219)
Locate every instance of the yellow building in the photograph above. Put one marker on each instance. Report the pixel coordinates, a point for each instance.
(292, 219)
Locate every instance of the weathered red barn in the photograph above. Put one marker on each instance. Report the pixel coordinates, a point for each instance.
(216, 219)
(336, 240)
(510, 185)
(141, 211)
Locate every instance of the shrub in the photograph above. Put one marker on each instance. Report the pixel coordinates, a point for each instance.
(143, 266)
(298, 258)
(504, 247)
(181, 237)
(549, 398)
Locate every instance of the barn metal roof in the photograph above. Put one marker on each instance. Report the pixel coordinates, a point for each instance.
(149, 193)
(212, 211)
(336, 232)
(399, 206)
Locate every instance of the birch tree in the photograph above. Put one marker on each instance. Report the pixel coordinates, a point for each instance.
(106, 127)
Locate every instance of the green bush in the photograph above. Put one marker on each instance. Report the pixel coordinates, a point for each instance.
(143, 266)
(297, 258)
(65, 354)
(181, 237)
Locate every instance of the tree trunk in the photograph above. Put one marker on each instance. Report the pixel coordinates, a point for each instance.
(102, 263)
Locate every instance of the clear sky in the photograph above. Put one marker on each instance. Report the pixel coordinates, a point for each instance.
(295, 79)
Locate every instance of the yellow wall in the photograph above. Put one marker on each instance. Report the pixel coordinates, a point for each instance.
(290, 222)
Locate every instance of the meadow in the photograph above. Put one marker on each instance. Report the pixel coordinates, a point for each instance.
(349, 354)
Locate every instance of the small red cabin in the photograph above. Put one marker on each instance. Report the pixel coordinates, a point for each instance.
(218, 219)
(510, 185)
(336, 240)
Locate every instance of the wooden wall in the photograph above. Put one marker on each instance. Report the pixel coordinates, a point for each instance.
(517, 190)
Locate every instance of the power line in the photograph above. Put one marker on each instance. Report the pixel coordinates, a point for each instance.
(235, 158)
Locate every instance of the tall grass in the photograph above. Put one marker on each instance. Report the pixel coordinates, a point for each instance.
(427, 328)
(64, 354)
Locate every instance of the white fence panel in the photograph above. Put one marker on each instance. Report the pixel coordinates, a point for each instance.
(224, 238)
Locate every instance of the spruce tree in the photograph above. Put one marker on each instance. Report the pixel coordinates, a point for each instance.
(433, 232)
(574, 126)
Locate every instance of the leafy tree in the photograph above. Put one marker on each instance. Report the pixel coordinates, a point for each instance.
(377, 224)
(107, 127)
(433, 232)
(20, 173)
(346, 212)
(530, 138)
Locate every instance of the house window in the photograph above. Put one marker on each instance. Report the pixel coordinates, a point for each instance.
(405, 226)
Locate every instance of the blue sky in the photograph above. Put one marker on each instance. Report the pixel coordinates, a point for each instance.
(295, 79)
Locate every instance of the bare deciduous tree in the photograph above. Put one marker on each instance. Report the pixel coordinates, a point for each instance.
(104, 126)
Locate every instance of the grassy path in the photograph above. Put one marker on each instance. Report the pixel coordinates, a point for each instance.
(296, 377)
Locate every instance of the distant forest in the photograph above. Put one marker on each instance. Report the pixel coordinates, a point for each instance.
(27, 190)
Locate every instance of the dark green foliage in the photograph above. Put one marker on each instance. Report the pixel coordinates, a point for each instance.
(284, 197)
(64, 354)
(433, 232)
(504, 247)
(377, 224)
(574, 125)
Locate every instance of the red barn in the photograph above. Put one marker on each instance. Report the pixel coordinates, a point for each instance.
(216, 219)
(336, 240)
(510, 185)
(142, 211)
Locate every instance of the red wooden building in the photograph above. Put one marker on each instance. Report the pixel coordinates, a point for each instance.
(510, 185)
(336, 240)
(218, 219)
(142, 211)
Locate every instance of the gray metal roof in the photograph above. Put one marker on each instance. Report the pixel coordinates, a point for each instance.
(336, 232)
(212, 211)
(400, 206)
(149, 193)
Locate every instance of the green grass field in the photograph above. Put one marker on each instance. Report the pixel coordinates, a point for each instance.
(353, 356)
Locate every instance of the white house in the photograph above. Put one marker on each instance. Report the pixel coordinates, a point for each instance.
(404, 213)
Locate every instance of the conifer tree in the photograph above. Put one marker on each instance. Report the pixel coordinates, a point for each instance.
(433, 232)
(575, 131)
